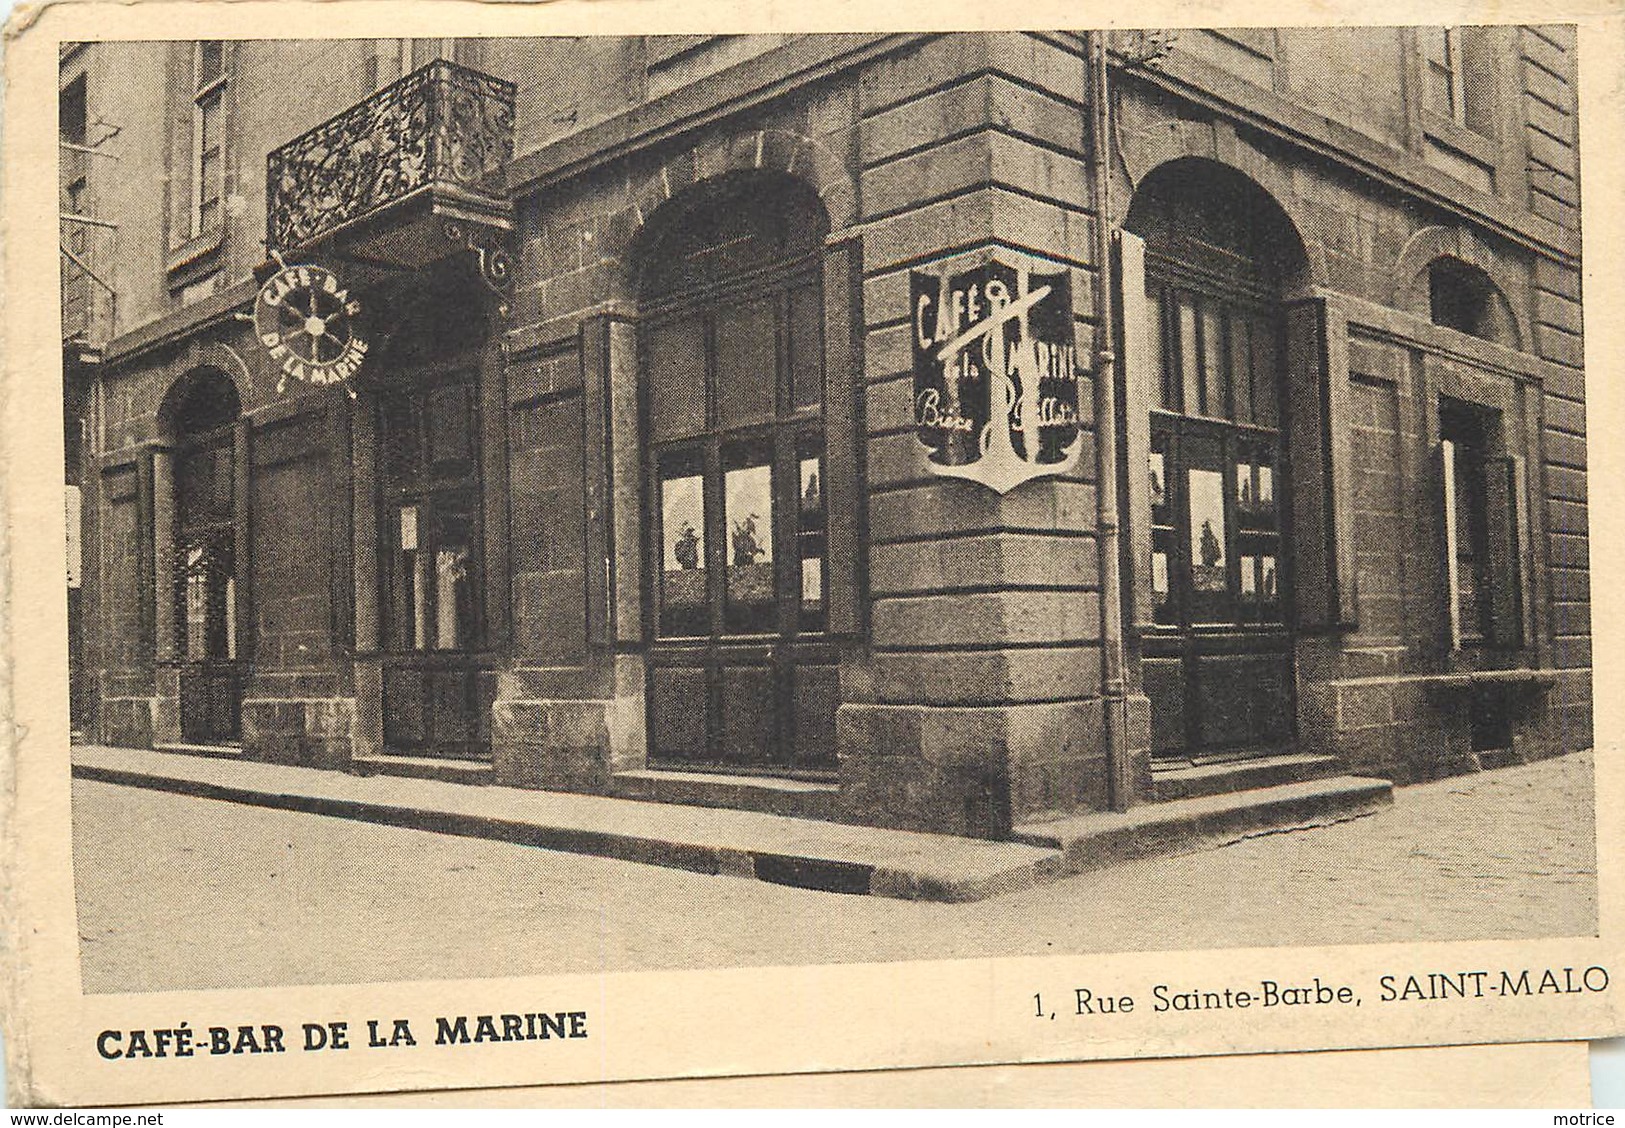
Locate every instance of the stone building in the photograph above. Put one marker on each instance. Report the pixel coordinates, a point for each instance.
(613, 414)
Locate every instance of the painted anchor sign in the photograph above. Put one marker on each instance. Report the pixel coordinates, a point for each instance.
(995, 374)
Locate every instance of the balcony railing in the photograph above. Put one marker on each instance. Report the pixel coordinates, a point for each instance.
(442, 126)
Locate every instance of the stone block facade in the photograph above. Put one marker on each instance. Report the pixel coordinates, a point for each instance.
(950, 656)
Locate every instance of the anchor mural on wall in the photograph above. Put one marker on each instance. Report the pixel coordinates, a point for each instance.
(995, 335)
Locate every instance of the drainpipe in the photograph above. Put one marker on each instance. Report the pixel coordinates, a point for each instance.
(1113, 687)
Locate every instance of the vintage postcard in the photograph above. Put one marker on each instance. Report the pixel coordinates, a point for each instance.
(599, 541)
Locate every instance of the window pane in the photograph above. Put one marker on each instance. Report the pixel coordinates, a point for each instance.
(676, 359)
(1266, 385)
(807, 346)
(1441, 93)
(748, 518)
(1434, 47)
(208, 122)
(1246, 487)
(1159, 480)
(231, 617)
(209, 179)
(1209, 547)
(683, 572)
(197, 605)
(1154, 330)
(417, 579)
(211, 53)
(1207, 530)
(454, 581)
(747, 364)
(1241, 363)
(1190, 387)
(1163, 563)
(1213, 391)
(811, 539)
(449, 424)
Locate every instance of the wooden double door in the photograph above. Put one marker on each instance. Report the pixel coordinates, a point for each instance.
(206, 565)
(1218, 663)
(438, 678)
(1218, 657)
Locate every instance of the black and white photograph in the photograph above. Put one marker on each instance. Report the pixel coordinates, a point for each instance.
(1028, 511)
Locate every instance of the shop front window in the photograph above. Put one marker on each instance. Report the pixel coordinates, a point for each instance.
(732, 350)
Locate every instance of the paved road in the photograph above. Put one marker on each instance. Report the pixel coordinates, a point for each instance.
(176, 892)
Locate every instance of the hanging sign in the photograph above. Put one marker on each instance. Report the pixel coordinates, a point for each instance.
(307, 321)
(995, 374)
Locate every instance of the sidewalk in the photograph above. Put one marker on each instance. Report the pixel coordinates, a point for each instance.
(809, 853)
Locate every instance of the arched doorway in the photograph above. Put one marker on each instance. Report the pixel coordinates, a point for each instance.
(742, 674)
(202, 416)
(1217, 656)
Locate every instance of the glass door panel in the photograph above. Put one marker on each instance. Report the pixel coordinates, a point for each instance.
(684, 597)
(749, 518)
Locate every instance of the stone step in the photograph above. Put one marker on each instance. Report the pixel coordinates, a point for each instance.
(807, 853)
(443, 768)
(230, 751)
(1185, 781)
(772, 795)
(1184, 825)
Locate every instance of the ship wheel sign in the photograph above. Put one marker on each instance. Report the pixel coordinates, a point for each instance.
(306, 320)
(995, 374)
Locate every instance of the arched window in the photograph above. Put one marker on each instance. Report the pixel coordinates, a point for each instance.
(733, 352)
(1462, 297)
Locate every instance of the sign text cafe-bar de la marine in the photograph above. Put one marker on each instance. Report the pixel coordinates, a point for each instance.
(952, 432)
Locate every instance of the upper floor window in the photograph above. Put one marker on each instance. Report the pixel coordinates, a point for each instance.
(74, 129)
(1458, 75)
(1462, 297)
(1482, 511)
(208, 141)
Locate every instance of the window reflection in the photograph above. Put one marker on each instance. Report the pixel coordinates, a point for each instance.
(682, 517)
(748, 517)
(810, 534)
(1207, 530)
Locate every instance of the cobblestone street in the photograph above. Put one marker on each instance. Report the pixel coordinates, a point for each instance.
(177, 892)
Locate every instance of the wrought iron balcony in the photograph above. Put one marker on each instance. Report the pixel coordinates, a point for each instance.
(444, 132)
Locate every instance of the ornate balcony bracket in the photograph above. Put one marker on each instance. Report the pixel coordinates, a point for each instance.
(434, 144)
(487, 244)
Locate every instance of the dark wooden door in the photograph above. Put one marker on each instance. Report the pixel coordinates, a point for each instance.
(206, 591)
(437, 680)
(741, 673)
(1218, 663)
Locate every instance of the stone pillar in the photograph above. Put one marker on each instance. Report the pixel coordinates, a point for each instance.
(165, 528)
(169, 646)
(982, 708)
(367, 726)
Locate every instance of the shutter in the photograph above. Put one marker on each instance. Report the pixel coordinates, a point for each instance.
(1141, 380)
(178, 184)
(1505, 564)
(846, 438)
